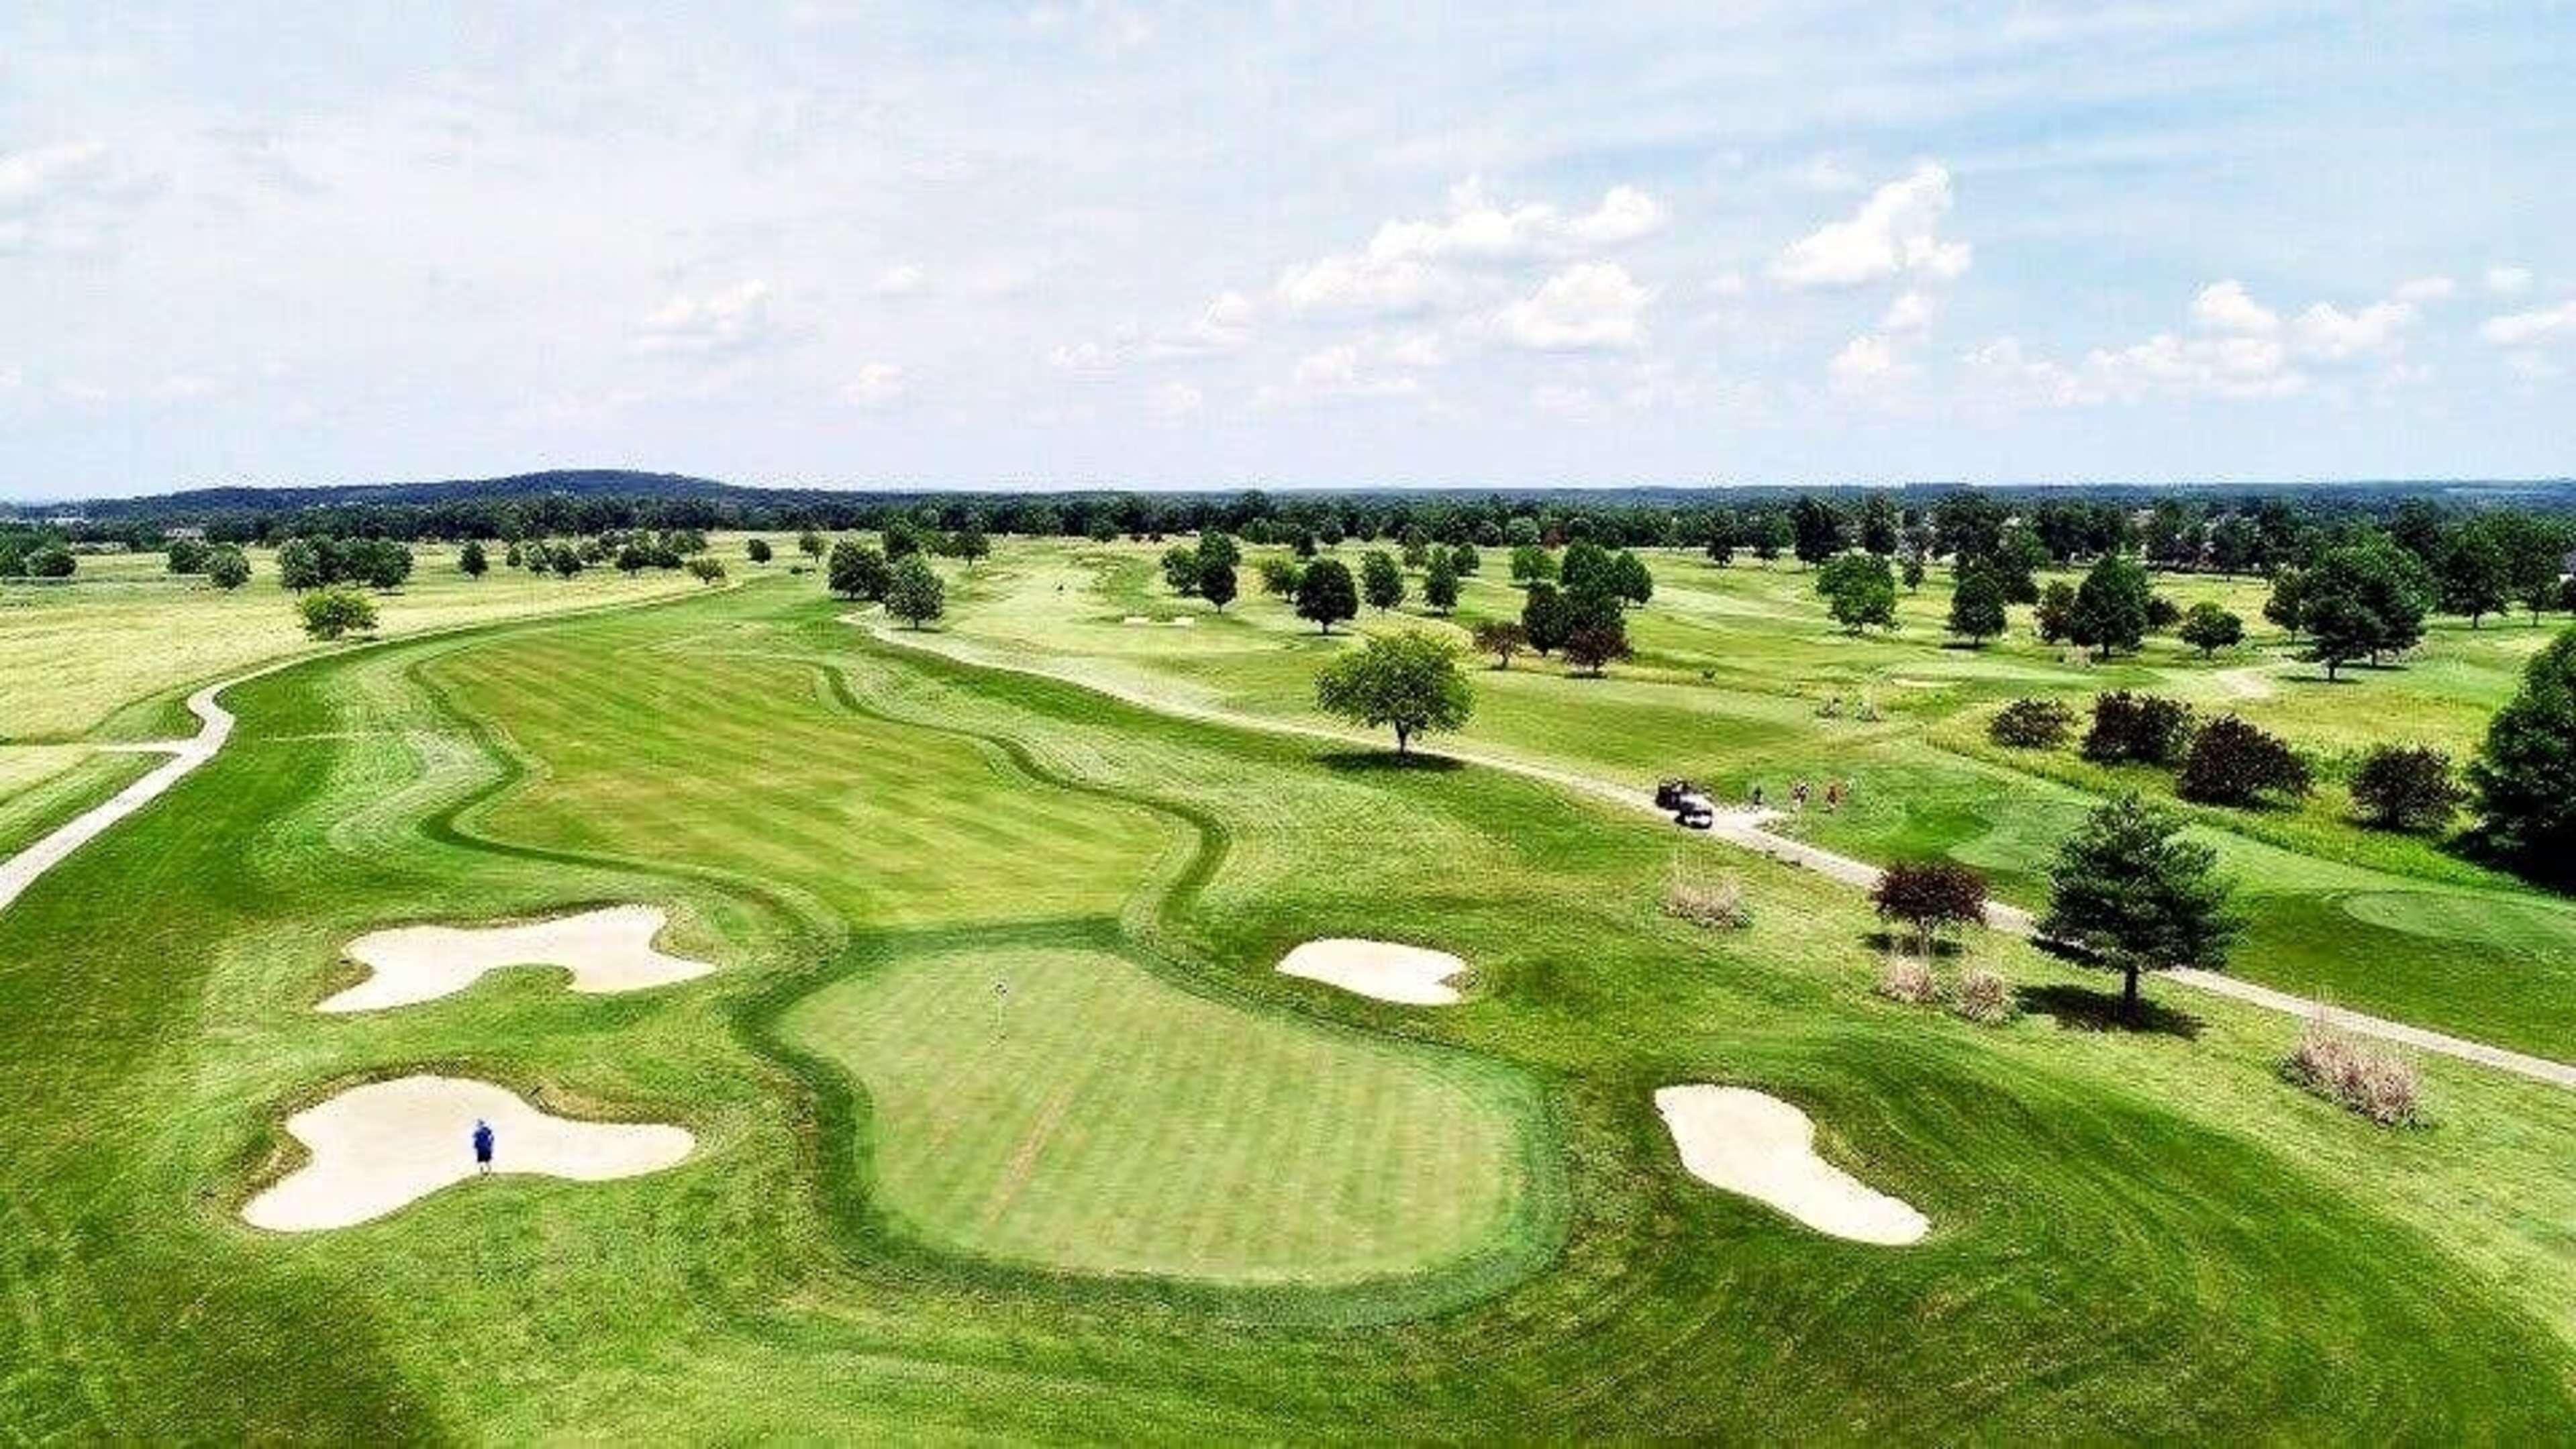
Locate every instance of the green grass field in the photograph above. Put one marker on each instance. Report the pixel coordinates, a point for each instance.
(1158, 1191)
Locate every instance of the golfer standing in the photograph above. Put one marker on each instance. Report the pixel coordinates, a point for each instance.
(482, 1145)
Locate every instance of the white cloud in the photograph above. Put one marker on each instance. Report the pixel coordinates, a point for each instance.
(901, 280)
(2003, 371)
(2238, 368)
(1223, 325)
(1587, 306)
(1340, 371)
(1177, 399)
(2508, 281)
(1910, 312)
(877, 385)
(1896, 231)
(1866, 363)
(2329, 332)
(1415, 349)
(2427, 289)
(1088, 361)
(61, 197)
(2522, 329)
(1408, 265)
(2225, 307)
(1828, 173)
(735, 319)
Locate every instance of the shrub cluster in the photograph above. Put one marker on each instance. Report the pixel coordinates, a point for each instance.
(1710, 905)
(2146, 729)
(2406, 787)
(1908, 979)
(2032, 724)
(1982, 997)
(2235, 763)
(2369, 1078)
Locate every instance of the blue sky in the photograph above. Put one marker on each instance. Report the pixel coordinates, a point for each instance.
(1099, 242)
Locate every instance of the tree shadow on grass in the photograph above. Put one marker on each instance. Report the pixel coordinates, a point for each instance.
(1364, 762)
(1902, 942)
(2080, 1008)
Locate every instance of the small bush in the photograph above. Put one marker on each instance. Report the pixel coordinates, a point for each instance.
(2234, 763)
(1710, 905)
(1983, 997)
(2147, 729)
(1907, 979)
(1929, 895)
(2406, 787)
(2371, 1079)
(2032, 724)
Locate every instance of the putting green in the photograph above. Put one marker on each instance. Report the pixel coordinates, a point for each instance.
(2518, 926)
(1064, 1107)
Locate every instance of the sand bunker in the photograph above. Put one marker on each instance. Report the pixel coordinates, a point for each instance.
(1757, 1145)
(386, 1145)
(605, 950)
(1406, 975)
(1136, 619)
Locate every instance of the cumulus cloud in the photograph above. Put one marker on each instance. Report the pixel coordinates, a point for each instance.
(901, 280)
(1410, 265)
(1865, 363)
(2508, 281)
(1223, 325)
(1895, 232)
(1910, 312)
(734, 319)
(1343, 370)
(2427, 289)
(877, 385)
(61, 197)
(2004, 371)
(2328, 332)
(1177, 399)
(2239, 368)
(1588, 306)
(1089, 361)
(2225, 307)
(2522, 329)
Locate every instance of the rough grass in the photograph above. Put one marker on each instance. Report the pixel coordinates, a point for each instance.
(1733, 665)
(2142, 1237)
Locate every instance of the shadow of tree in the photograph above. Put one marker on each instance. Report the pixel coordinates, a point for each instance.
(2080, 1008)
(1359, 762)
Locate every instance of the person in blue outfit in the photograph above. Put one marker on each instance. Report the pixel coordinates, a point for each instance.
(483, 1145)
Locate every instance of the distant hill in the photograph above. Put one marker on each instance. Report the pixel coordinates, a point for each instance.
(562, 482)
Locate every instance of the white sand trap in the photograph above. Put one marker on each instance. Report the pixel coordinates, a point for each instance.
(605, 950)
(1182, 621)
(1750, 1143)
(1136, 619)
(1406, 975)
(386, 1145)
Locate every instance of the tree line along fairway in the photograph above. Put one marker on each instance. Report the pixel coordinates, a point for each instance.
(2135, 1233)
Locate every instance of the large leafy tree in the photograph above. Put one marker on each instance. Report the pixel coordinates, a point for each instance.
(1977, 606)
(1325, 594)
(2363, 600)
(1817, 529)
(2473, 573)
(2207, 626)
(2110, 613)
(1859, 590)
(857, 571)
(2525, 773)
(1409, 682)
(913, 593)
(2130, 892)
(1381, 579)
(1928, 895)
(1440, 582)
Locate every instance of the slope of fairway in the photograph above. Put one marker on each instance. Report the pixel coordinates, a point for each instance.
(1741, 681)
(2142, 1236)
(1065, 1108)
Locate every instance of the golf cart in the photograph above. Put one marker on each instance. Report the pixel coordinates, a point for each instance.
(1690, 807)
